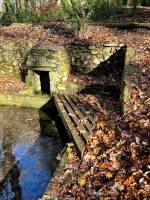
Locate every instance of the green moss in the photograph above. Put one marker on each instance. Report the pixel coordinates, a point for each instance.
(23, 101)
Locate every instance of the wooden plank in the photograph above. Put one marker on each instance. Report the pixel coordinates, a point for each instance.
(82, 106)
(88, 106)
(69, 125)
(69, 110)
(83, 109)
(72, 114)
(83, 119)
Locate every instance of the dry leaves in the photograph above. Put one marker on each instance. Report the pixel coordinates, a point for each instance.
(10, 84)
(116, 162)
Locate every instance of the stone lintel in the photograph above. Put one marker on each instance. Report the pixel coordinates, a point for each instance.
(46, 69)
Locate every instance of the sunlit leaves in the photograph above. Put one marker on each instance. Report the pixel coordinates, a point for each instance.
(82, 181)
(109, 175)
(116, 159)
(129, 181)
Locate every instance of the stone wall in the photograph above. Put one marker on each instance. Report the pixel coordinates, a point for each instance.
(58, 61)
(85, 58)
(129, 81)
(13, 56)
(52, 59)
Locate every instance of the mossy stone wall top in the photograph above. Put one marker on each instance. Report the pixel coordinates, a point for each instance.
(85, 58)
(46, 56)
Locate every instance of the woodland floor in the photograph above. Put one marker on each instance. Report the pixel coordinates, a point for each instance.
(116, 162)
(59, 33)
(125, 15)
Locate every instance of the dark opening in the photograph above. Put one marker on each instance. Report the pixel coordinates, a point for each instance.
(50, 109)
(45, 81)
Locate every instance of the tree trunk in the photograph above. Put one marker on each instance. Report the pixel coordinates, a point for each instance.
(20, 5)
(2, 8)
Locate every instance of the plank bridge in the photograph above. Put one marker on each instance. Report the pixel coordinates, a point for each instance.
(78, 117)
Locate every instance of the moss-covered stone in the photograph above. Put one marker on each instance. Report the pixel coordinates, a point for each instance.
(13, 56)
(128, 82)
(88, 57)
(56, 60)
(53, 59)
(23, 101)
(130, 55)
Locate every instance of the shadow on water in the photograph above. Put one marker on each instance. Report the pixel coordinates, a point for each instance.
(28, 155)
(51, 111)
(10, 188)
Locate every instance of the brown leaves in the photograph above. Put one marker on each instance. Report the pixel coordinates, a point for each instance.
(71, 156)
(82, 181)
(101, 125)
(94, 142)
(117, 151)
(10, 84)
(114, 160)
(109, 175)
(105, 165)
(129, 181)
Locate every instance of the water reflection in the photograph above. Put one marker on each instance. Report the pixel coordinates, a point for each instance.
(33, 169)
(27, 159)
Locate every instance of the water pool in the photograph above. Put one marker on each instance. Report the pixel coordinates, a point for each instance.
(27, 156)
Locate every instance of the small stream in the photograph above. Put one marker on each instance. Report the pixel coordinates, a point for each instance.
(27, 156)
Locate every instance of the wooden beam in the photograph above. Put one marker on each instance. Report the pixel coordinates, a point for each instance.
(81, 129)
(70, 128)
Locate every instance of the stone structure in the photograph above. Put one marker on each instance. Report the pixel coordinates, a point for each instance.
(48, 69)
(85, 58)
(128, 79)
(13, 56)
(49, 66)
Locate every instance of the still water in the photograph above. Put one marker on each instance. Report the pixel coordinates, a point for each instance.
(27, 157)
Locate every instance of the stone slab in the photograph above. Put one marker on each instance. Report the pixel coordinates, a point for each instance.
(23, 101)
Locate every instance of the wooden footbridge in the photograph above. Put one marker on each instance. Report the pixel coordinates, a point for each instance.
(78, 117)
